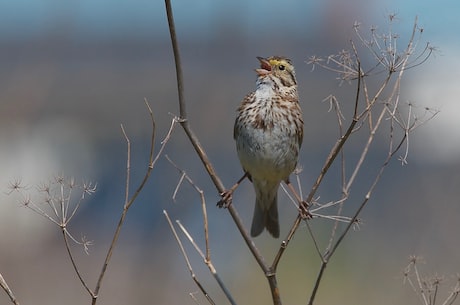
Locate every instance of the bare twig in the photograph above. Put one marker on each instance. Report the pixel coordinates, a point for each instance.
(347, 64)
(207, 163)
(60, 207)
(205, 255)
(202, 200)
(58, 198)
(74, 263)
(128, 201)
(8, 291)
(452, 297)
(393, 63)
(207, 260)
(330, 159)
(189, 265)
(426, 288)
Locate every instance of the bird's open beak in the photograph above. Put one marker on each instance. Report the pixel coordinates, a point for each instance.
(265, 67)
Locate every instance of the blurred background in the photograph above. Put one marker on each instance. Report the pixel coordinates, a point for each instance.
(73, 71)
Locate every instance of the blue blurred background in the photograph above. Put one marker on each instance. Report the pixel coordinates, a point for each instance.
(72, 71)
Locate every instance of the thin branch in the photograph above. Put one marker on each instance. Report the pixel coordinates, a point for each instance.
(74, 263)
(8, 291)
(203, 204)
(329, 161)
(315, 241)
(79, 202)
(177, 60)
(199, 148)
(340, 118)
(208, 262)
(206, 257)
(128, 201)
(364, 152)
(351, 223)
(187, 261)
(173, 125)
(128, 164)
(454, 294)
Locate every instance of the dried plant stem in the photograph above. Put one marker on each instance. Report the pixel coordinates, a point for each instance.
(207, 260)
(74, 263)
(426, 288)
(189, 265)
(207, 163)
(8, 291)
(366, 115)
(329, 161)
(330, 252)
(394, 96)
(205, 255)
(128, 201)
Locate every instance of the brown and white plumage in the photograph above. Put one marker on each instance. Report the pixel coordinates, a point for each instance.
(268, 132)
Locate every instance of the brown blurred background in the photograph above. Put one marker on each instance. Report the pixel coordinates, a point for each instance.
(72, 72)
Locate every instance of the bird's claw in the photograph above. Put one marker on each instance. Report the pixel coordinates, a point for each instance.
(226, 199)
(303, 210)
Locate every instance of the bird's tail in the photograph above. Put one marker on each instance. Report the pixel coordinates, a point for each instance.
(266, 215)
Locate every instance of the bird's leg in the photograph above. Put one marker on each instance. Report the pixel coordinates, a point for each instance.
(303, 205)
(227, 194)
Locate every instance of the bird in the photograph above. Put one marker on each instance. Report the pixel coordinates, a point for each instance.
(268, 132)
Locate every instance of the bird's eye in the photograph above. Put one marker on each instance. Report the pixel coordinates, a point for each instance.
(281, 67)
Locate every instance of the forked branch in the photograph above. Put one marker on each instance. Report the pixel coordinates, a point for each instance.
(203, 156)
(368, 113)
(128, 200)
(208, 165)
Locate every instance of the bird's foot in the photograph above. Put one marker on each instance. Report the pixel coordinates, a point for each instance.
(226, 199)
(303, 210)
